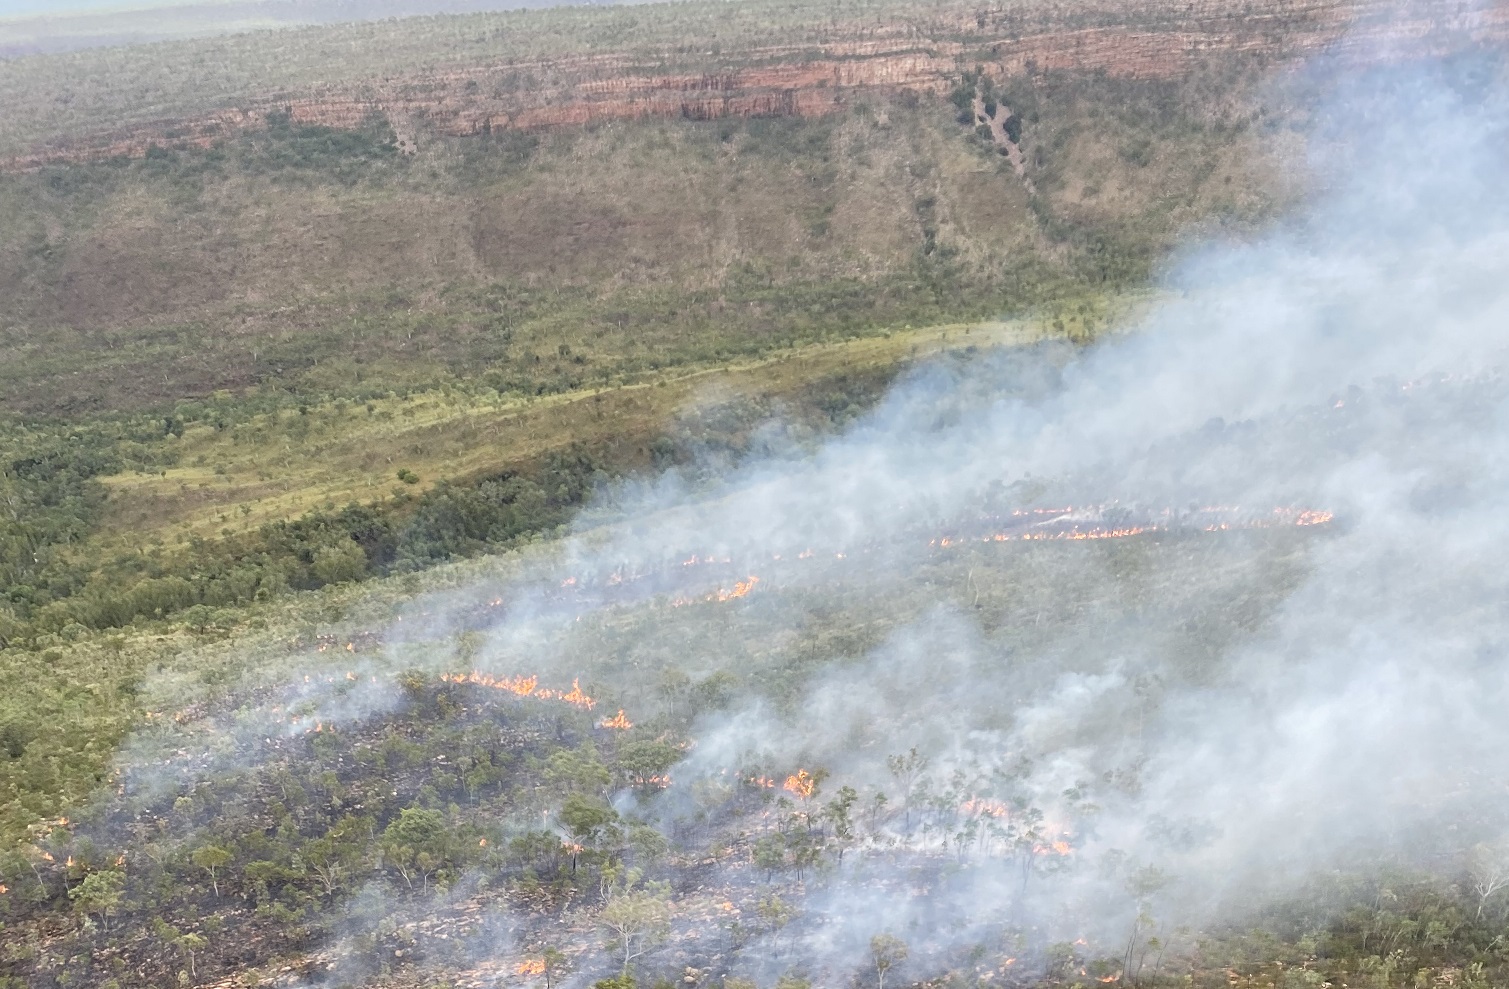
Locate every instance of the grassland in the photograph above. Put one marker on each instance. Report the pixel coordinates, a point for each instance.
(83, 683)
(351, 453)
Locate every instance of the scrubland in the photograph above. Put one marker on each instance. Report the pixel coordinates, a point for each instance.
(360, 618)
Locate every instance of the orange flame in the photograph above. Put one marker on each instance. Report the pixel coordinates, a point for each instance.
(1278, 517)
(980, 807)
(800, 783)
(656, 782)
(574, 697)
(1053, 848)
(617, 721)
(531, 966)
(525, 686)
(741, 589)
(521, 685)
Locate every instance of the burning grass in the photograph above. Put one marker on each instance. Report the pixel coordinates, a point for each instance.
(509, 744)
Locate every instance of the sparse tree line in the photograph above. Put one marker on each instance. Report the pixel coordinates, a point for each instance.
(55, 502)
(52, 502)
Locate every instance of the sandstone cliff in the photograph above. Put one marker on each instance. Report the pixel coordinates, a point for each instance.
(805, 80)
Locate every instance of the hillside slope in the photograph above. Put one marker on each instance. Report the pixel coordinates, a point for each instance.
(319, 262)
(366, 206)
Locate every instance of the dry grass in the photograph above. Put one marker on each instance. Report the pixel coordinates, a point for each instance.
(282, 465)
(635, 246)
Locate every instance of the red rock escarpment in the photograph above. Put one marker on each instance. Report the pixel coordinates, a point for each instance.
(803, 82)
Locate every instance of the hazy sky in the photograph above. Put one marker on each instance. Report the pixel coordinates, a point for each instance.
(15, 7)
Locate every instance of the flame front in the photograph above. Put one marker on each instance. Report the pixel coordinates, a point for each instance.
(981, 807)
(618, 721)
(525, 686)
(574, 696)
(741, 589)
(531, 966)
(653, 782)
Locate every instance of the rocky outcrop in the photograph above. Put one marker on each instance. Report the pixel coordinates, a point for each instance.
(806, 82)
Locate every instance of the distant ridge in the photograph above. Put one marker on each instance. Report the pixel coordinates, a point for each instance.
(51, 33)
(481, 81)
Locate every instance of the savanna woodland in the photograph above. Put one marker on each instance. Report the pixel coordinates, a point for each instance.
(449, 484)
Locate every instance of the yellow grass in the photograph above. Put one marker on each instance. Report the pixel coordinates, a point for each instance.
(241, 478)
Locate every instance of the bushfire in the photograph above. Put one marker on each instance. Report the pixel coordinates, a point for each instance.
(741, 589)
(619, 721)
(1096, 523)
(1110, 521)
(653, 782)
(981, 807)
(526, 686)
(630, 584)
(800, 783)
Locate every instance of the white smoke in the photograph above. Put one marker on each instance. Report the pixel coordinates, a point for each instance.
(1347, 361)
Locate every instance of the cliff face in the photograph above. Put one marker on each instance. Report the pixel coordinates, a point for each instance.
(807, 81)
